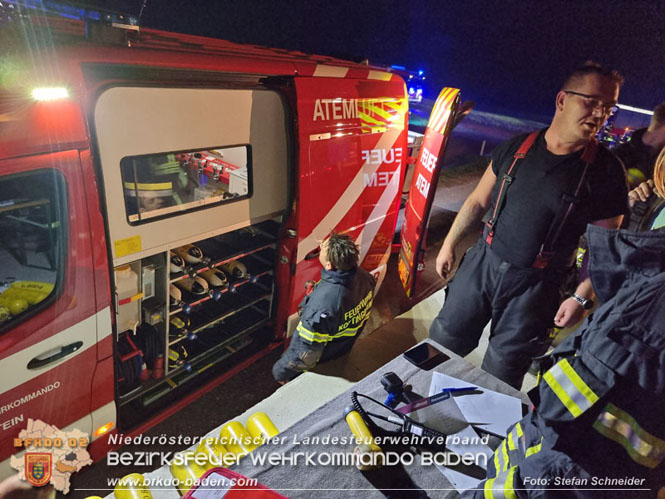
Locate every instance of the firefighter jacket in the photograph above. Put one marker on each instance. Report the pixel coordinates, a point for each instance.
(335, 312)
(598, 417)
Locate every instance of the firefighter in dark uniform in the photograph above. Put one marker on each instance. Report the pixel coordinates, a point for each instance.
(645, 204)
(597, 428)
(541, 191)
(638, 155)
(333, 314)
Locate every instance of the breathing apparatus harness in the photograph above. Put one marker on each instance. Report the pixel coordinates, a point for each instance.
(568, 202)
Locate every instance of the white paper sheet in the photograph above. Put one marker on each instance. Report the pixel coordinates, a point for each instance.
(444, 416)
(459, 480)
(489, 411)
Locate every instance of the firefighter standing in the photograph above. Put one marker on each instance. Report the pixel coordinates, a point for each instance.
(544, 189)
(333, 314)
(161, 181)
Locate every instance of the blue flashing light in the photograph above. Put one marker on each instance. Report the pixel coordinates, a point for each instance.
(420, 72)
(63, 9)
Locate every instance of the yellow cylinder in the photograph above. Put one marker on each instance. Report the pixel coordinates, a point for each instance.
(213, 449)
(361, 431)
(185, 468)
(260, 427)
(237, 439)
(132, 486)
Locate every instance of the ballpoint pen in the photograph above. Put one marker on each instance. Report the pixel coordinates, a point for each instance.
(462, 389)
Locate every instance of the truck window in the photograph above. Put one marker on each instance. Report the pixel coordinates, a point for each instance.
(32, 243)
(158, 185)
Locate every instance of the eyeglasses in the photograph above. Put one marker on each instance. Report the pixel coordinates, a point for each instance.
(594, 102)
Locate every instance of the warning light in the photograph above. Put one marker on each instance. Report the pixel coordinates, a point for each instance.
(45, 94)
(103, 429)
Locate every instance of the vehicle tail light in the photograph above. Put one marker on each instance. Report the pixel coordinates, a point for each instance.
(103, 429)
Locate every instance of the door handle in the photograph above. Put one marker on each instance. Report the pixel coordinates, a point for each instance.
(313, 254)
(54, 355)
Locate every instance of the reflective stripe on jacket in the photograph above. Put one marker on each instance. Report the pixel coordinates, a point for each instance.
(337, 309)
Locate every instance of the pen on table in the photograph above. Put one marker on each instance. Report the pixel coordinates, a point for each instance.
(462, 389)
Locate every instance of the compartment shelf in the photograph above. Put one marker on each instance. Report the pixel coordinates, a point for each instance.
(203, 331)
(211, 356)
(201, 320)
(226, 248)
(191, 300)
(183, 377)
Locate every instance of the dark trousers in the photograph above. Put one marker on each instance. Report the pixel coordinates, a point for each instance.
(299, 357)
(520, 302)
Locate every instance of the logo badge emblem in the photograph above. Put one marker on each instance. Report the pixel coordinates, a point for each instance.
(37, 468)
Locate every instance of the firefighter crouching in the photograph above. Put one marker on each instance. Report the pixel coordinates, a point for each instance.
(333, 314)
(598, 417)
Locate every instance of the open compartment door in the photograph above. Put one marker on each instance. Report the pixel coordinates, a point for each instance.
(423, 185)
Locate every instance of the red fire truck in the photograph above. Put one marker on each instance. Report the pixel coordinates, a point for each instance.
(162, 200)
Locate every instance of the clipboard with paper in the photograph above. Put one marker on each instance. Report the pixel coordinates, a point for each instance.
(486, 410)
(457, 416)
(438, 412)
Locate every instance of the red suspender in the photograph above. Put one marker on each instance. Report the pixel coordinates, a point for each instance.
(505, 182)
(546, 253)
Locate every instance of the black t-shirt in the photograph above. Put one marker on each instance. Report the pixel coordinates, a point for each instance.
(535, 197)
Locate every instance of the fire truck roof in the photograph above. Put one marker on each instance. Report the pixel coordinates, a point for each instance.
(81, 36)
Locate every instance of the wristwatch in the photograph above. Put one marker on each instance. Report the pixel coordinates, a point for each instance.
(586, 303)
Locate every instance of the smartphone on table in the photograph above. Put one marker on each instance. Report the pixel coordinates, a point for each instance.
(425, 356)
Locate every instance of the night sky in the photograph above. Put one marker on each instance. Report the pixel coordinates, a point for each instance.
(509, 56)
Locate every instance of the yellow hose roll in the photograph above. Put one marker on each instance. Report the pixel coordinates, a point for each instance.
(186, 468)
(261, 427)
(132, 486)
(213, 449)
(237, 439)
